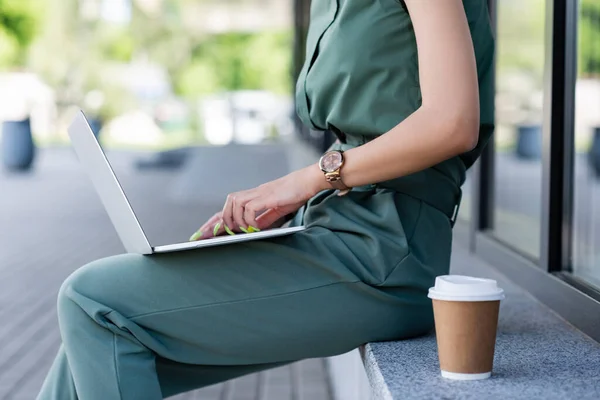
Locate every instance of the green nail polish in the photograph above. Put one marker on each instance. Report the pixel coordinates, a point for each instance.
(216, 229)
(253, 229)
(243, 229)
(229, 231)
(197, 235)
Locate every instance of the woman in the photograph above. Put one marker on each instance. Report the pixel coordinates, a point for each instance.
(407, 88)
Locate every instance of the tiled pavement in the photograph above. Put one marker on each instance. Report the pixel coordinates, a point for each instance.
(51, 222)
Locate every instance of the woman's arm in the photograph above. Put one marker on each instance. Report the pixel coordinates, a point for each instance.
(447, 123)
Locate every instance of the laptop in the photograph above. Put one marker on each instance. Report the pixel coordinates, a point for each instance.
(94, 161)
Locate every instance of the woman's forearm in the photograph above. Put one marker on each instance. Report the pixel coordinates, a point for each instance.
(424, 139)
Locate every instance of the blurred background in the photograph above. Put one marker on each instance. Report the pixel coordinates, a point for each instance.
(190, 99)
(193, 99)
(151, 74)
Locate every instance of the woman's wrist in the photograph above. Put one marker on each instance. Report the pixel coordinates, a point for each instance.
(316, 179)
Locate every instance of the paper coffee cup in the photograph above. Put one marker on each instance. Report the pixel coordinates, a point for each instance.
(466, 319)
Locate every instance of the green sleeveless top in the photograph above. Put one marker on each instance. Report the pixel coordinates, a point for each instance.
(361, 72)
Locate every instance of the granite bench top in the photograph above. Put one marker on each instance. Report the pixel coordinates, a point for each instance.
(538, 355)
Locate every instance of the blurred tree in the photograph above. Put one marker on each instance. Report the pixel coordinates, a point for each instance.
(589, 38)
(520, 42)
(74, 53)
(158, 34)
(269, 55)
(116, 44)
(201, 63)
(18, 21)
(78, 52)
(238, 61)
(520, 38)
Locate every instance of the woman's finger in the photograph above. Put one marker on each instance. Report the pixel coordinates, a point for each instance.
(213, 220)
(216, 229)
(251, 209)
(228, 210)
(199, 234)
(268, 218)
(238, 212)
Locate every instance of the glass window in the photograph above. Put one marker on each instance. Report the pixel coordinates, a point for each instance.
(519, 109)
(586, 228)
(465, 211)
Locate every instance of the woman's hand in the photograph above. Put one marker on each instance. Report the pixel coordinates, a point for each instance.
(266, 204)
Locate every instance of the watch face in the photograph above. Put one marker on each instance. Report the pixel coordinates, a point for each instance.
(331, 161)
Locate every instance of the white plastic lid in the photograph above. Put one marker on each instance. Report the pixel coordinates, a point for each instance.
(465, 288)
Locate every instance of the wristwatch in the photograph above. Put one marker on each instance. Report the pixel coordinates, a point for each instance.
(331, 163)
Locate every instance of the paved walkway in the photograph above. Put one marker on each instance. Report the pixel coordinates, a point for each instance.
(52, 222)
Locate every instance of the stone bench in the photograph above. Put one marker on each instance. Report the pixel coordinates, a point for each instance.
(538, 356)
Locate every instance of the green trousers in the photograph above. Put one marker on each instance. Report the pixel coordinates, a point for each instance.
(148, 327)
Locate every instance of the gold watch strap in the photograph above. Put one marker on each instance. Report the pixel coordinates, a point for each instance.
(335, 180)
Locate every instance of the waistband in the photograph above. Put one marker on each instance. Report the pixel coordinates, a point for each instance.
(430, 186)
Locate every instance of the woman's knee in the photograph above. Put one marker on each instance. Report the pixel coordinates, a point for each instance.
(94, 288)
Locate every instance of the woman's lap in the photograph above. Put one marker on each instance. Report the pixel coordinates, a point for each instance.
(189, 319)
(260, 302)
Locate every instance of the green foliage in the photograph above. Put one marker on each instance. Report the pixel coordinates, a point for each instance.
(8, 48)
(18, 17)
(162, 38)
(202, 64)
(520, 37)
(520, 62)
(197, 79)
(269, 56)
(116, 44)
(55, 53)
(589, 38)
(18, 21)
(237, 61)
(77, 54)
